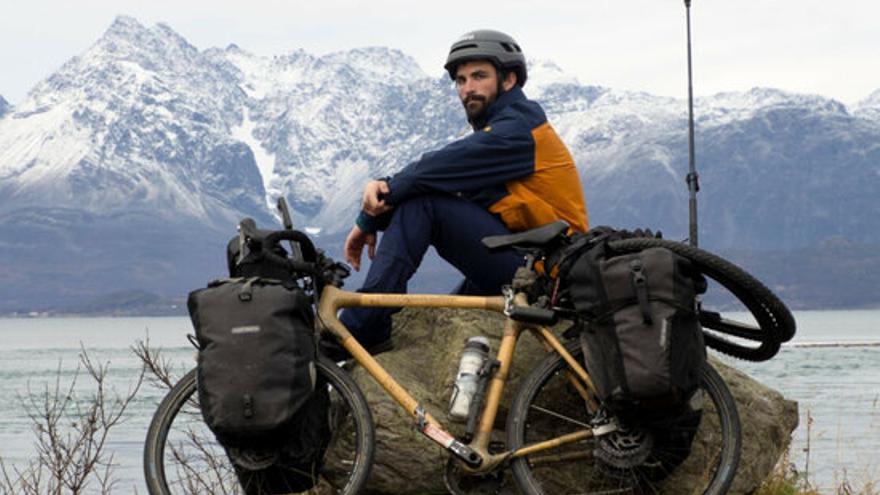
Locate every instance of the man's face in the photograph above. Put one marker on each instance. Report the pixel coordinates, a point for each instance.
(477, 83)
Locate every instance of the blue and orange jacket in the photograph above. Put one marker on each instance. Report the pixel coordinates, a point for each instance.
(514, 165)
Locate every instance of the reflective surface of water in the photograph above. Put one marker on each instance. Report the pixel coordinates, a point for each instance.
(838, 387)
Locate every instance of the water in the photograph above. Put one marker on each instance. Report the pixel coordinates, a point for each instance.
(832, 368)
(838, 387)
(34, 352)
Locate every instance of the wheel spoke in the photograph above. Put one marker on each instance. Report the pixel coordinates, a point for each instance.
(559, 416)
(642, 459)
(191, 461)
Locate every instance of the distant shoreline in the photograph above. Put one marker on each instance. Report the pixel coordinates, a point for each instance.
(870, 343)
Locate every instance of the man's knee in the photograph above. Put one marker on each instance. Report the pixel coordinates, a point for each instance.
(421, 205)
(439, 207)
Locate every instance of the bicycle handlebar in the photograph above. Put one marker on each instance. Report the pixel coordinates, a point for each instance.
(327, 270)
(308, 249)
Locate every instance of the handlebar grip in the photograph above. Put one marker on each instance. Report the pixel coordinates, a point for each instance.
(291, 265)
(308, 249)
(531, 314)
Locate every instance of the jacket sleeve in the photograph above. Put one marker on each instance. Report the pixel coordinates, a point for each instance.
(488, 157)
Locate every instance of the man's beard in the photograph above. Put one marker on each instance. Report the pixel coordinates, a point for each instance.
(475, 107)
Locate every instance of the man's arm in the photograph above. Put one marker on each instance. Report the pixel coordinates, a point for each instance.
(373, 201)
(373, 211)
(354, 246)
(492, 156)
(488, 157)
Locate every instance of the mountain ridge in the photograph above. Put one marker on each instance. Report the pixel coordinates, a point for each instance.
(145, 125)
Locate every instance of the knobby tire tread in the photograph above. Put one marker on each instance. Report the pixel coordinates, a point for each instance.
(185, 388)
(712, 383)
(776, 322)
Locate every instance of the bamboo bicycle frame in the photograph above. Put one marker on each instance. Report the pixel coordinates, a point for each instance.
(333, 299)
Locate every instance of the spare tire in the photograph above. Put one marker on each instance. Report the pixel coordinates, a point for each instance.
(775, 322)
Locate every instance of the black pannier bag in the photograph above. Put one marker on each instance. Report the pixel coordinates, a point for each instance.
(294, 466)
(256, 381)
(640, 325)
(256, 357)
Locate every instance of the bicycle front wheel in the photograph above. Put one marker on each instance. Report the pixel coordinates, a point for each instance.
(698, 452)
(181, 455)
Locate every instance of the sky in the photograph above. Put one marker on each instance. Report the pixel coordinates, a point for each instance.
(803, 46)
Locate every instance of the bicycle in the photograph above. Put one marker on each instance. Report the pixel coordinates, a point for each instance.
(559, 439)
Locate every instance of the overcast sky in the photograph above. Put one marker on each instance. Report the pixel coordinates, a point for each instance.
(807, 46)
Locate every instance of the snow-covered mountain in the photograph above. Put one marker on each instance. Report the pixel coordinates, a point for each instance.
(129, 166)
(869, 108)
(778, 170)
(321, 126)
(142, 120)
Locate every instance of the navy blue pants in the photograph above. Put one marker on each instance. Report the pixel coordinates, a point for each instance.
(454, 226)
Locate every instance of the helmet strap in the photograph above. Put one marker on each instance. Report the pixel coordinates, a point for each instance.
(502, 76)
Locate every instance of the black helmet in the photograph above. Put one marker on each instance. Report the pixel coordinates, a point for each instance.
(485, 44)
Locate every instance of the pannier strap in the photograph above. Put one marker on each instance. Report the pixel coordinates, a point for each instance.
(640, 286)
(246, 293)
(247, 403)
(220, 281)
(247, 290)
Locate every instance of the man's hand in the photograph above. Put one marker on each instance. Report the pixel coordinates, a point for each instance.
(354, 246)
(372, 204)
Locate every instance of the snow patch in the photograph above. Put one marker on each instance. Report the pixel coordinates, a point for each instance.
(378, 63)
(42, 146)
(339, 212)
(545, 73)
(264, 77)
(265, 160)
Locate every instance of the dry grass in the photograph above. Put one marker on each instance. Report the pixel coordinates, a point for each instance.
(71, 428)
(786, 479)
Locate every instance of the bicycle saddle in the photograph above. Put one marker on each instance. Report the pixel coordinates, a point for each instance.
(533, 238)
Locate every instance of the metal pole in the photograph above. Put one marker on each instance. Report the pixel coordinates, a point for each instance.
(692, 176)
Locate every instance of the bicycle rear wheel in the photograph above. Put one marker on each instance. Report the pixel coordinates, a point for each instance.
(640, 460)
(181, 455)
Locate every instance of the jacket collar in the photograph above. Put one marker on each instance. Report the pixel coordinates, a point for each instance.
(503, 101)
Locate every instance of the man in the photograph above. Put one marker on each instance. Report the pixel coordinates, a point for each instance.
(512, 174)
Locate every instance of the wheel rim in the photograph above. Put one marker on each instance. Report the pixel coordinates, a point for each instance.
(193, 462)
(649, 460)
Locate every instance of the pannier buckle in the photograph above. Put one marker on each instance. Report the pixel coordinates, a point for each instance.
(640, 285)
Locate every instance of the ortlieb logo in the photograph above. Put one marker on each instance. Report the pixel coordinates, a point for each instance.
(246, 329)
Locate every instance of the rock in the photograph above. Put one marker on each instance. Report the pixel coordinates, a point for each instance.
(768, 420)
(428, 343)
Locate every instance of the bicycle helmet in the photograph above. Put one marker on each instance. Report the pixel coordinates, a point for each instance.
(500, 49)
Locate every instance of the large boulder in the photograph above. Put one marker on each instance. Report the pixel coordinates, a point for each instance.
(428, 344)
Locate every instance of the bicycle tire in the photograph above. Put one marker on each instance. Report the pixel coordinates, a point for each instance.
(166, 463)
(775, 322)
(578, 468)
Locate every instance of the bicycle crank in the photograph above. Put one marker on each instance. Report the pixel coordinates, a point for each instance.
(460, 483)
(624, 449)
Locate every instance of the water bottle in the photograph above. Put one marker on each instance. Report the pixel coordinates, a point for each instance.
(476, 351)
